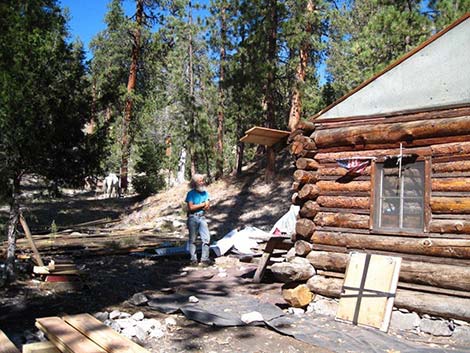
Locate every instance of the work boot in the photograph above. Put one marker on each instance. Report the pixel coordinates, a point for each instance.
(206, 263)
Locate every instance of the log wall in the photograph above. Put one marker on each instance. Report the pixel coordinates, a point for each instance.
(336, 209)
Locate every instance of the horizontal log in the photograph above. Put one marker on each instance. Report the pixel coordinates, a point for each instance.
(305, 177)
(390, 133)
(309, 209)
(332, 157)
(449, 149)
(457, 166)
(309, 192)
(445, 306)
(305, 227)
(352, 186)
(452, 226)
(306, 126)
(344, 202)
(454, 184)
(302, 247)
(438, 275)
(343, 220)
(337, 171)
(307, 164)
(450, 205)
(456, 248)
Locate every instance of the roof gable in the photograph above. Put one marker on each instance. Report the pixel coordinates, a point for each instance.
(435, 74)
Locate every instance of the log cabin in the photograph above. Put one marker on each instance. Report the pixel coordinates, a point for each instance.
(386, 170)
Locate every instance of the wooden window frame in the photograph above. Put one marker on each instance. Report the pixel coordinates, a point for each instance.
(426, 200)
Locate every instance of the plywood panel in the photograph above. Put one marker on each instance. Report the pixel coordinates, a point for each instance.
(264, 136)
(368, 290)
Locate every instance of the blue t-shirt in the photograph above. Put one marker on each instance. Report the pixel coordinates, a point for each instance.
(197, 197)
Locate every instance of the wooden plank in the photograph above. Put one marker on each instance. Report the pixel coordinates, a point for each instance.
(65, 337)
(368, 290)
(264, 136)
(273, 243)
(40, 347)
(6, 346)
(103, 335)
(30, 239)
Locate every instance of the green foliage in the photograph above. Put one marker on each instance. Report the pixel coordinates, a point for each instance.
(148, 179)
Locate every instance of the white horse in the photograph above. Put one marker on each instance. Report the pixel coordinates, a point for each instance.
(111, 185)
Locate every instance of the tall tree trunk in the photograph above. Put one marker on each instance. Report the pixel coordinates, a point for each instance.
(220, 114)
(131, 83)
(192, 136)
(301, 71)
(270, 105)
(12, 228)
(240, 146)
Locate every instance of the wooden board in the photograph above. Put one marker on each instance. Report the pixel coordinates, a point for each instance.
(40, 347)
(65, 337)
(264, 136)
(368, 291)
(6, 346)
(103, 335)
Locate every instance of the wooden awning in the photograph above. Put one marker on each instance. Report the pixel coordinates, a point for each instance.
(264, 136)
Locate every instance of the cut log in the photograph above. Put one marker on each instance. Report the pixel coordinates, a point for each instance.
(454, 184)
(453, 226)
(307, 164)
(450, 205)
(344, 202)
(296, 270)
(431, 274)
(309, 209)
(451, 167)
(390, 133)
(309, 192)
(296, 200)
(302, 247)
(306, 126)
(6, 346)
(297, 295)
(342, 220)
(295, 186)
(304, 227)
(305, 177)
(456, 248)
(353, 186)
(426, 303)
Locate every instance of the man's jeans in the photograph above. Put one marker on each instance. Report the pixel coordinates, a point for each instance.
(197, 224)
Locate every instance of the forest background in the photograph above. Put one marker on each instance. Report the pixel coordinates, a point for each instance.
(167, 79)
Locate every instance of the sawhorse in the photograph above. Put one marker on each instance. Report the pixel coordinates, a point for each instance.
(275, 242)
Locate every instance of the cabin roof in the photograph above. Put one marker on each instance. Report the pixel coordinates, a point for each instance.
(434, 75)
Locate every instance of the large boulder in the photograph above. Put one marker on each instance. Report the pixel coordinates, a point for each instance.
(297, 269)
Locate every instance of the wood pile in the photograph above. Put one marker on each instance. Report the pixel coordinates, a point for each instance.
(336, 214)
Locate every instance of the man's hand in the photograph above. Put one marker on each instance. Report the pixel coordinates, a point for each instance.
(207, 205)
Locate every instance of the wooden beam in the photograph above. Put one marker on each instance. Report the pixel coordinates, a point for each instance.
(30, 239)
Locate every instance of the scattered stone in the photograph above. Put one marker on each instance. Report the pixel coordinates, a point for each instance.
(114, 314)
(129, 332)
(125, 323)
(169, 321)
(297, 269)
(404, 321)
(193, 299)
(167, 290)
(140, 333)
(145, 325)
(124, 315)
(138, 299)
(156, 333)
(138, 316)
(253, 316)
(295, 311)
(222, 274)
(102, 316)
(297, 296)
(435, 327)
(403, 310)
(290, 254)
(227, 261)
(323, 306)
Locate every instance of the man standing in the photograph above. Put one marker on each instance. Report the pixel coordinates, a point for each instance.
(198, 203)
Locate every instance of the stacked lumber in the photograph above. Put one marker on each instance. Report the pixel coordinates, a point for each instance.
(336, 208)
(84, 334)
(6, 346)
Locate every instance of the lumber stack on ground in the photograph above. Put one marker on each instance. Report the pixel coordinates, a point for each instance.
(338, 209)
(6, 346)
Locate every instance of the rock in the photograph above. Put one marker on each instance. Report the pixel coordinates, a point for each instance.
(253, 316)
(227, 261)
(435, 327)
(115, 326)
(295, 311)
(125, 323)
(138, 316)
(323, 306)
(145, 325)
(102, 316)
(295, 270)
(129, 332)
(138, 299)
(124, 315)
(193, 299)
(114, 314)
(140, 333)
(290, 254)
(169, 321)
(156, 333)
(404, 321)
(297, 296)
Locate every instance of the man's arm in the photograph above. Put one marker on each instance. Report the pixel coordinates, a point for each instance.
(201, 206)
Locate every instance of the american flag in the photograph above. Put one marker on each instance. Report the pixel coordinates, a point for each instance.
(354, 165)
